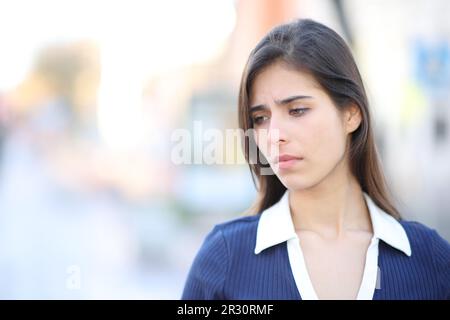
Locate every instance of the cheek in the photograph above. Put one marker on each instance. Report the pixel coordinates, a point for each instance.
(261, 139)
(327, 141)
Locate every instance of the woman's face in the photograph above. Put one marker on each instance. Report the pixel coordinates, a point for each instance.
(294, 118)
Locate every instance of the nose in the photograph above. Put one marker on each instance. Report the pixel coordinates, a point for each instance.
(276, 134)
(276, 137)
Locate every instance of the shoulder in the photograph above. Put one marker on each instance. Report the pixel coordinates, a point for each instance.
(224, 236)
(239, 227)
(210, 267)
(238, 235)
(422, 235)
(230, 230)
(429, 246)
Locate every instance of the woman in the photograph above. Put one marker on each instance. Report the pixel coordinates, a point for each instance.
(325, 226)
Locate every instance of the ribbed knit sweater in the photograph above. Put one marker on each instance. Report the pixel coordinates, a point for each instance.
(226, 266)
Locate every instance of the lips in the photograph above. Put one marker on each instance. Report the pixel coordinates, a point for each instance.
(287, 157)
(287, 161)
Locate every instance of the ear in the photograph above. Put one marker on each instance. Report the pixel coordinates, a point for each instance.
(352, 117)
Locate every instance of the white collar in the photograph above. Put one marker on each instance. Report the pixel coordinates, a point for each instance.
(275, 226)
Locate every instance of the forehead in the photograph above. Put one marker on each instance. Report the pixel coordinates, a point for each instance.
(278, 81)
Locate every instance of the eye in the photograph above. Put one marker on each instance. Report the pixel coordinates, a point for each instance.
(298, 111)
(258, 120)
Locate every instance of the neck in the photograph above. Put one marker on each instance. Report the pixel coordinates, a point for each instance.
(332, 207)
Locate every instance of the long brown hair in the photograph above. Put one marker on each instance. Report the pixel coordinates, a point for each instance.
(312, 47)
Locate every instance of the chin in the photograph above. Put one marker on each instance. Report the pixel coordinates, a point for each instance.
(296, 181)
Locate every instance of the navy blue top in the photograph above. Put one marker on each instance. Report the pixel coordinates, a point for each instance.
(226, 266)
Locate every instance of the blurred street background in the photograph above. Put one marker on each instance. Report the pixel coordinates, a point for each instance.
(91, 205)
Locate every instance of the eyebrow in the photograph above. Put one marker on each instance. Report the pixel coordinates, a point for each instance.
(284, 101)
